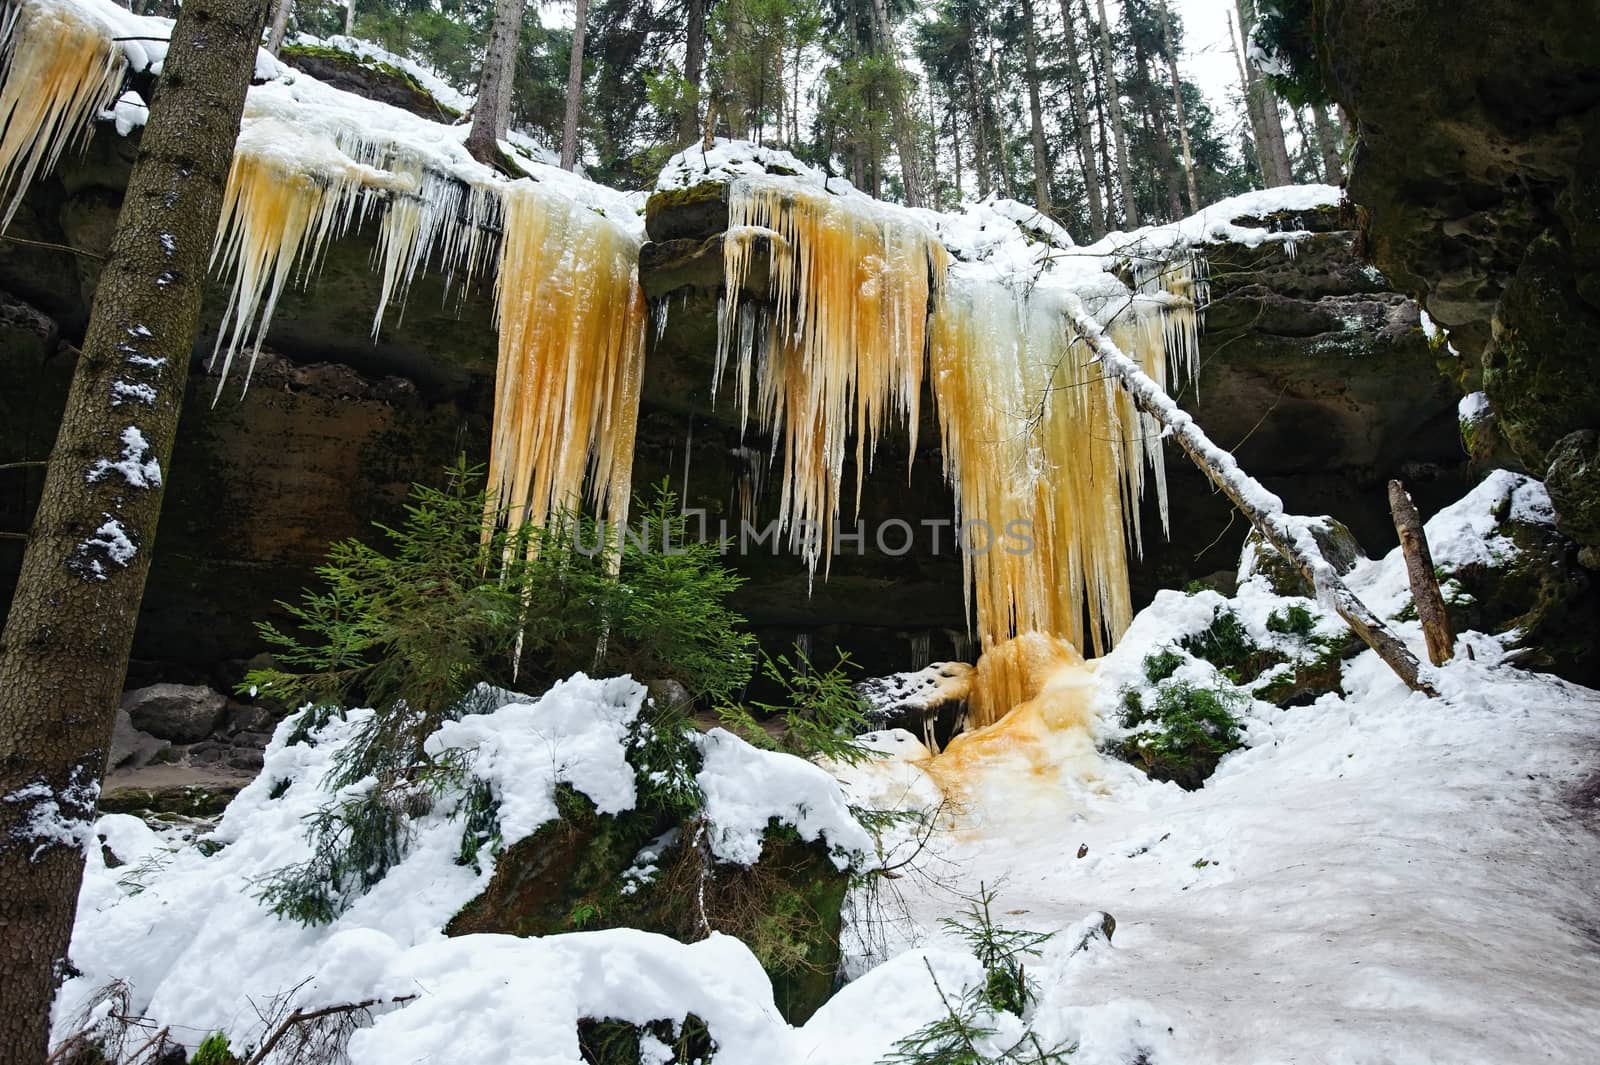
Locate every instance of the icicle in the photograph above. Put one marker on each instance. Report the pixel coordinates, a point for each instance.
(571, 317)
(837, 347)
(61, 70)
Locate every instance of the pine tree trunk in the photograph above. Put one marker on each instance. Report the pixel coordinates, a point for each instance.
(1177, 108)
(1130, 209)
(349, 17)
(280, 25)
(955, 146)
(492, 113)
(1153, 121)
(64, 650)
(569, 126)
(1436, 628)
(1272, 146)
(980, 158)
(1002, 156)
(1080, 118)
(1042, 177)
(1328, 142)
(1251, 105)
(694, 59)
(905, 137)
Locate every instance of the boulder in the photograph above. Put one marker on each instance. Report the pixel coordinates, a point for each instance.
(131, 748)
(929, 703)
(182, 713)
(1259, 558)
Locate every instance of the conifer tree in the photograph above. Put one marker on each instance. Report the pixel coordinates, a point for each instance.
(64, 650)
(492, 114)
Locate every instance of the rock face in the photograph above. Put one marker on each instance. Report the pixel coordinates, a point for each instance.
(1313, 369)
(1479, 168)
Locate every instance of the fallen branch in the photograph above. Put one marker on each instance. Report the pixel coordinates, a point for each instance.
(1289, 535)
(303, 1016)
(1435, 620)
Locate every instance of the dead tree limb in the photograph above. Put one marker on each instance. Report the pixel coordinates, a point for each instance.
(1289, 535)
(304, 1016)
(1419, 572)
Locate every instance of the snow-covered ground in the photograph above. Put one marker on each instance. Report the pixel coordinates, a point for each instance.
(1377, 877)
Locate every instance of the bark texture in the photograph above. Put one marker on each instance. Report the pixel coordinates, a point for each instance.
(1041, 153)
(1177, 107)
(694, 61)
(905, 137)
(1271, 146)
(1436, 629)
(1080, 121)
(64, 650)
(492, 113)
(569, 127)
(1328, 142)
(280, 25)
(1130, 209)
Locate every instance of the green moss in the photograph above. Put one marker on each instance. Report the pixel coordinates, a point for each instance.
(1184, 734)
(1227, 645)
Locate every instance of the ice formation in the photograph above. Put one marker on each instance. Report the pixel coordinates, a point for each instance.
(864, 300)
(836, 349)
(311, 164)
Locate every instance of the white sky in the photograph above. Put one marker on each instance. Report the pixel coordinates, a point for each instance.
(1206, 59)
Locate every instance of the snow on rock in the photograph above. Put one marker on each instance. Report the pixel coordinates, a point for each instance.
(576, 734)
(429, 79)
(1474, 409)
(746, 787)
(128, 113)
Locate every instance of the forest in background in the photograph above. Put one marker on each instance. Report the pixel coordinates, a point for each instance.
(1068, 105)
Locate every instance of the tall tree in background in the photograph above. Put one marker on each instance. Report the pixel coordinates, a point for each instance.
(64, 650)
(1329, 142)
(1177, 105)
(492, 113)
(1130, 207)
(694, 61)
(280, 25)
(1042, 176)
(1270, 142)
(1080, 122)
(569, 126)
(904, 128)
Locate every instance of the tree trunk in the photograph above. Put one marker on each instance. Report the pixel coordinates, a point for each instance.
(1130, 210)
(955, 147)
(349, 17)
(980, 158)
(1108, 180)
(1272, 146)
(1436, 629)
(1328, 142)
(492, 113)
(280, 25)
(1177, 108)
(64, 650)
(1042, 177)
(905, 136)
(569, 127)
(1252, 107)
(1002, 155)
(694, 58)
(1080, 115)
(1289, 536)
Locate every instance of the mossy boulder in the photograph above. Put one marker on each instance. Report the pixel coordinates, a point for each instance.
(1573, 481)
(643, 869)
(370, 78)
(1533, 588)
(1259, 558)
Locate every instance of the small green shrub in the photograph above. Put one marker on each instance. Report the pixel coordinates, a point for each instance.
(213, 1050)
(1226, 644)
(1185, 734)
(1294, 620)
(969, 1020)
(1159, 665)
(821, 711)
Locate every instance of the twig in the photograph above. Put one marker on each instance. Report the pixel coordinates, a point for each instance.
(23, 465)
(53, 247)
(299, 1017)
(1436, 629)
